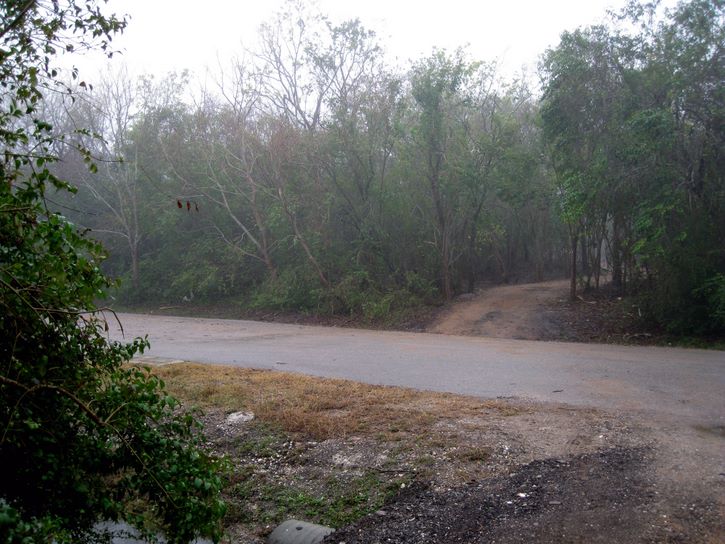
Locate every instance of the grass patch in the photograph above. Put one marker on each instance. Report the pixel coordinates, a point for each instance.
(319, 408)
(265, 503)
(323, 450)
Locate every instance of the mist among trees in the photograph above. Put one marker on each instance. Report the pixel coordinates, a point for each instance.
(313, 176)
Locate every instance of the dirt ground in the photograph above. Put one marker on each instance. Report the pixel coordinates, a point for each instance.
(539, 473)
(620, 489)
(510, 311)
(544, 311)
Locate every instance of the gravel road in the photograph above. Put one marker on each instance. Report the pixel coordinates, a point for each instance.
(684, 384)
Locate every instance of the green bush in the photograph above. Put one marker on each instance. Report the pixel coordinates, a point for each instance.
(84, 437)
(713, 292)
(294, 289)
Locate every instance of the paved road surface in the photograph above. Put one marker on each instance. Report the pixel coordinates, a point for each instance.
(686, 384)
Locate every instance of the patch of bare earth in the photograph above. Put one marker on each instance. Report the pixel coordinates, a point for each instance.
(545, 311)
(509, 311)
(393, 465)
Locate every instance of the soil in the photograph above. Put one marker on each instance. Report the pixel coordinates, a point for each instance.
(542, 473)
(594, 497)
(545, 311)
(524, 312)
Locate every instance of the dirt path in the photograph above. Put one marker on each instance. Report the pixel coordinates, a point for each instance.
(519, 312)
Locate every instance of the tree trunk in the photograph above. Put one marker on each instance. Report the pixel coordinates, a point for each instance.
(617, 274)
(471, 263)
(298, 235)
(264, 235)
(446, 268)
(472, 242)
(574, 244)
(598, 264)
(586, 265)
(133, 247)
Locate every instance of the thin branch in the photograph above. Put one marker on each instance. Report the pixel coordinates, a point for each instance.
(29, 390)
(18, 19)
(21, 297)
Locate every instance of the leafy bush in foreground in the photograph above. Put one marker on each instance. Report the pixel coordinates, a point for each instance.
(83, 437)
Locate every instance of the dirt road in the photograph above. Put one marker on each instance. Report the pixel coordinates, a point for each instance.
(510, 311)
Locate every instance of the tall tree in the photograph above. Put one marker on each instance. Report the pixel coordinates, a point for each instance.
(436, 85)
(634, 125)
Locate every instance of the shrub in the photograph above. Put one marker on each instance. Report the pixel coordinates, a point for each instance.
(83, 437)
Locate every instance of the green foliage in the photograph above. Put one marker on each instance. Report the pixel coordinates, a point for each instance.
(355, 295)
(634, 126)
(323, 205)
(340, 505)
(324, 193)
(203, 271)
(14, 528)
(83, 437)
(351, 293)
(295, 289)
(713, 291)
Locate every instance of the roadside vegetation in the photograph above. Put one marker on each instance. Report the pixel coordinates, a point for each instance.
(314, 177)
(83, 438)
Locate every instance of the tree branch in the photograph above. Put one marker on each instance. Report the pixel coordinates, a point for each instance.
(18, 19)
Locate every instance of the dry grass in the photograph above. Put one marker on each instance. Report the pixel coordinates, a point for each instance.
(316, 407)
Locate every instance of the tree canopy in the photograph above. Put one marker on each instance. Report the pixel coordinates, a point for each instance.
(634, 125)
(313, 176)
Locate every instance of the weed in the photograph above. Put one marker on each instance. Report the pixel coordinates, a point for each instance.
(474, 454)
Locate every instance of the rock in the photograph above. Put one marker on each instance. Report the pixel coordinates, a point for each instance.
(236, 418)
(294, 531)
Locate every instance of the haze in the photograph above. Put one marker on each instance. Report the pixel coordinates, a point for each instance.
(167, 35)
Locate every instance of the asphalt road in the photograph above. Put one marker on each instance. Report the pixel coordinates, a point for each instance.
(686, 384)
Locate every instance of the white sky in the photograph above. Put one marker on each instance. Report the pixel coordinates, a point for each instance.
(172, 35)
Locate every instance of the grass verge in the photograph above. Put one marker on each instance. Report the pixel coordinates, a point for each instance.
(324, 450)
(318, 408)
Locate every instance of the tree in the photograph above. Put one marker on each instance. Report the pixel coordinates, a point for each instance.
(677, 133)
(83, 437)
(223, 137)
(462, 132)
(580, 108)
(107, 114)
(436, 85)
(326, 181)
(634, 126)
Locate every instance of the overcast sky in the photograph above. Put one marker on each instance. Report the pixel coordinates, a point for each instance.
(172, 35)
